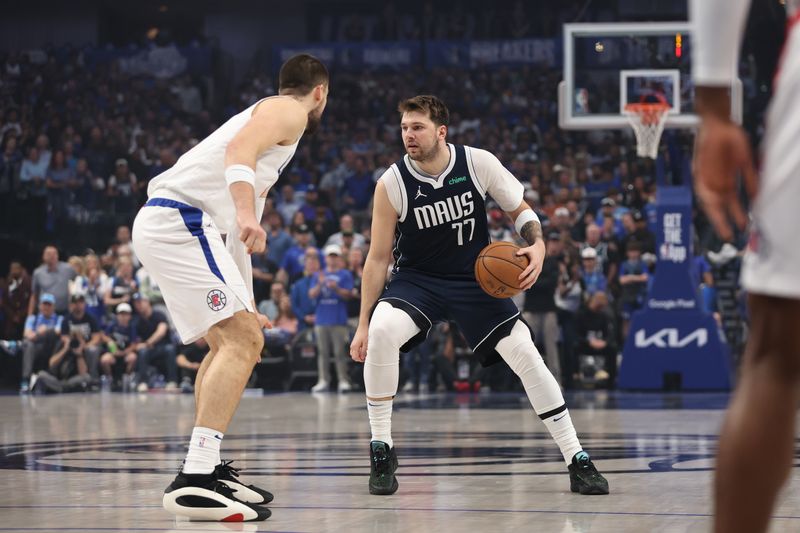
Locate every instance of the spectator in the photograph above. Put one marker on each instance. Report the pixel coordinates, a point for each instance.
(641, 234)
(10, 162)
(120, 338)
(596, 336)
(303, 306)
(332, 288)
(57, 179)
(43, 146)
(149, 288)
(155, 346)
(264, 272)
(123, 285)
(289, 203)
(94, 290)
(568, 298)
(32, 174)
(67, 370)
(279, 241)
(358, 189)
(122, 187)
(633, 277)
(606, 253)
(286, 321)
(78, 264)
(591, 276)
(16, 297)
(82, 186)
(41, 337)
(85, 336)
(347, 227)
(498, 230)
(189, 360)
(294, 258)
(355, 261)
(540, 309)
(52, 277)
(608, 209)
(269, 308)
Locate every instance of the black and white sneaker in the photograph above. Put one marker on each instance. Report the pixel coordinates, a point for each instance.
(244, 493)
(203, 497)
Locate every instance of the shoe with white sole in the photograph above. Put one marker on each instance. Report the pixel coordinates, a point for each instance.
(246, 493)
(204, 497)
(321, 386)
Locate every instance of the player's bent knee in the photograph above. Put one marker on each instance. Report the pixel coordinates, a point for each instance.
(389, 329)
(518, 349)
(241, 332)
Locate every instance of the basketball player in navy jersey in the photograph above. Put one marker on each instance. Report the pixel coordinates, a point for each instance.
(757, 442)
(433, 201)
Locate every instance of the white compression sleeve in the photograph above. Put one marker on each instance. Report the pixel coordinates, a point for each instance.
(544, 393)
(717, 35)
(389, 329)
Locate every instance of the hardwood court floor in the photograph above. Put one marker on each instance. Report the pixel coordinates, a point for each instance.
(468, 463)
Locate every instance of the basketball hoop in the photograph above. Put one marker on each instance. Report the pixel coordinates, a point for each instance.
(647, 120)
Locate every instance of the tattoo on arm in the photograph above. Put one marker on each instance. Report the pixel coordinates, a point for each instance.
(531, 232)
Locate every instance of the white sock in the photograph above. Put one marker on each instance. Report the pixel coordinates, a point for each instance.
(380, 420)
(543, 391)
(563, 432)
(203, 453)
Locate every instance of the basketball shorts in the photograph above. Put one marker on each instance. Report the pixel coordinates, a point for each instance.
(482, 319)
(183, 252)
(773, 255)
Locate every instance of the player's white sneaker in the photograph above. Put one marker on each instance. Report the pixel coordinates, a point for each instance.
(321, 386)
(204, 497)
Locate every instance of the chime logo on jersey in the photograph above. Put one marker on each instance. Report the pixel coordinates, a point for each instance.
(449, 210)
(216, 300)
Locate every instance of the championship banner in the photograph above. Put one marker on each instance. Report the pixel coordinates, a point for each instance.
(672, 344)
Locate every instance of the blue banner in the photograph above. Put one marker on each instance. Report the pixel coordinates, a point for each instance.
(392, 55)
(459, 54)
(671, 336)
(512, 52)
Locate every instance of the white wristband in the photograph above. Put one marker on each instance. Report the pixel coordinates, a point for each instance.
(523, 218)
(236, 173)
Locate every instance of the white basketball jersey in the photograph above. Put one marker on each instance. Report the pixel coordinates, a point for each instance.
(198, 177)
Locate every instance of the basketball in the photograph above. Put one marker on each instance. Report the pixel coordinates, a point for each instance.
(497, 269)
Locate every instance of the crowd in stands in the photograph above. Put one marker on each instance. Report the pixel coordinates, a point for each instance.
(79, 143)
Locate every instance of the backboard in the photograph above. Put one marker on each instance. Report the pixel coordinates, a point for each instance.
(609, 65)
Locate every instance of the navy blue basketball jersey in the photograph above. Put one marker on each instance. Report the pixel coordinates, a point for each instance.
(444, 227)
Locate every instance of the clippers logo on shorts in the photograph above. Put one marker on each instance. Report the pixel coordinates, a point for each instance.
(216, 300)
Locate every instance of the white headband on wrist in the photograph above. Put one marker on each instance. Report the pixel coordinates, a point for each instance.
(523, 218)
(236, 173)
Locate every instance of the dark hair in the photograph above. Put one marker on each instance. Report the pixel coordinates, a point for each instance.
(428, 104)
(300, 74)
(634, 246)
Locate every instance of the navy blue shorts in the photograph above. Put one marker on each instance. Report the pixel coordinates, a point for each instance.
(428, 299)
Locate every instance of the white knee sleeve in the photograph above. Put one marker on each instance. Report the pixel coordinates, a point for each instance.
(518, 350)
(389, 329)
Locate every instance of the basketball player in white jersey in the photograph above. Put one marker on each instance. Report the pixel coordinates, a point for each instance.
(756, 446)
(219, 188)
(434, 201)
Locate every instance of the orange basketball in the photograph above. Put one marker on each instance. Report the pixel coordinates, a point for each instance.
(497, 269)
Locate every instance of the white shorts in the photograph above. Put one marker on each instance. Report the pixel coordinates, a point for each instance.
(773, 255)
(183, 252)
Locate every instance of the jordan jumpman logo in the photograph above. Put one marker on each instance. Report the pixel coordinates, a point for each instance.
(419, 193)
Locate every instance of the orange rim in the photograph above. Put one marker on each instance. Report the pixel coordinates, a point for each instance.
(649, 113)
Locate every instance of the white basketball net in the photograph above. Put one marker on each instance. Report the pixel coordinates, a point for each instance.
(647, 121)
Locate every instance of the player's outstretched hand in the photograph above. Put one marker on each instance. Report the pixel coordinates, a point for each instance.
(535, 256)
(358, 348)
(253, 236)
(722, 149)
